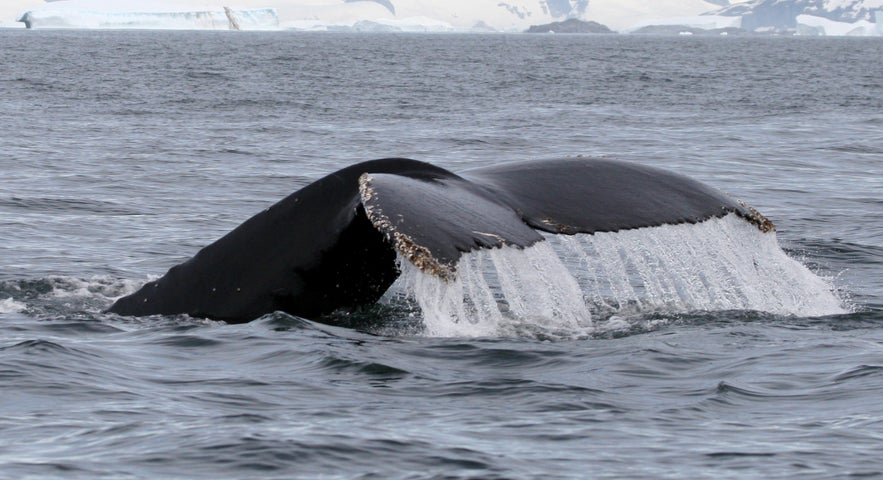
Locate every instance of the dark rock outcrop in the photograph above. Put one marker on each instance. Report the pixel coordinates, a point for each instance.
(571, 25)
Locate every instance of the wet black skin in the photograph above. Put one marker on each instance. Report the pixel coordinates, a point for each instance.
(317, 251)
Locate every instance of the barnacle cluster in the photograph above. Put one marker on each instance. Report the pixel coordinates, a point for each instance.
(756, 218)
(407, 247)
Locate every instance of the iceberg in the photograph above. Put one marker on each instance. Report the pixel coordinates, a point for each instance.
(135, 15)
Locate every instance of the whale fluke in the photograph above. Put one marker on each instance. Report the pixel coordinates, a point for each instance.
(432, 222)
(334, 243)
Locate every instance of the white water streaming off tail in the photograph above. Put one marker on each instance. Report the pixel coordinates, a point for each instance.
(9, 305)
(559, 285)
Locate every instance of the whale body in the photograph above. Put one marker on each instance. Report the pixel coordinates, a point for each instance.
(335, 243)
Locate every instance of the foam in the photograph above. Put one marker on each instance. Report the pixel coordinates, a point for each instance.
(720, 264)
(9, 305)
(576, 285)
(495, 290)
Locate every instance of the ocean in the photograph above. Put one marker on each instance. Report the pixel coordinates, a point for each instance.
(125, 152)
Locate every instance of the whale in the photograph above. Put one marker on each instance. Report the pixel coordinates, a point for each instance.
(336, 243)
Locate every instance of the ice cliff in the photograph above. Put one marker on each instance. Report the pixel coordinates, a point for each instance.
(146, 15)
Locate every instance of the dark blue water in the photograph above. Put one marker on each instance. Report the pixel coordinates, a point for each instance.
(122, 153)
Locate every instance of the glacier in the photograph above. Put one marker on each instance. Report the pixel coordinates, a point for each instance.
(813, 25)
(146, 15)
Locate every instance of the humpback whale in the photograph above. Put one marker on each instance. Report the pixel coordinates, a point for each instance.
(335, 243)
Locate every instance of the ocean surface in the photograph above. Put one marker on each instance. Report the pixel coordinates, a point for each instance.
(122, 153)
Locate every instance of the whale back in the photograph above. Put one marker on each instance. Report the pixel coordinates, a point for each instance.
(308, 254)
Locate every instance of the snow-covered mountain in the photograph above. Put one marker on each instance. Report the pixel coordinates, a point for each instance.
(481, 15)
(803, 16)
(431, 15)
(785, 15)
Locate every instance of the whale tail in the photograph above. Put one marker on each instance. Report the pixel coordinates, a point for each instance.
(334, 243)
